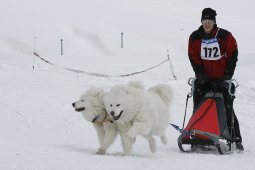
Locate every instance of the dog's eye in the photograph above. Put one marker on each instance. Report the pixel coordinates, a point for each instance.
(82, 100)
(118, 105)
(111, 105)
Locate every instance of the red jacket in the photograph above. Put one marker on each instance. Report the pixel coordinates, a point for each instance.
(223, 67)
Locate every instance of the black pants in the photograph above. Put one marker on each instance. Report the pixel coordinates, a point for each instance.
(199, 93)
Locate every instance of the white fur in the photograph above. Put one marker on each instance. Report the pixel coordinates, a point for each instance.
(138, 111)
(92, 103)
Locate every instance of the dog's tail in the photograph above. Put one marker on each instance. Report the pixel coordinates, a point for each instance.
(164, 91)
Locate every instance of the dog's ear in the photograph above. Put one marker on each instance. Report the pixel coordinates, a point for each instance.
(128, 90)
(101, 94)
(94, 91)
(136, 84)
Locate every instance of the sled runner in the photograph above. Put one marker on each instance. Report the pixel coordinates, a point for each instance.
(207, 127)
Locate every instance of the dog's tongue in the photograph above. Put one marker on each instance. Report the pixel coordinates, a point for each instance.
(95, 118)
(117, 117)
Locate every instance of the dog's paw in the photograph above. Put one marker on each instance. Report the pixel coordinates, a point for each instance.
(163, 139)
(152, 144)
(127, 150)
(100, 152)
(134, 139)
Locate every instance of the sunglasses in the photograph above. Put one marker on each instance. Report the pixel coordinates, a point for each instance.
(207, 21)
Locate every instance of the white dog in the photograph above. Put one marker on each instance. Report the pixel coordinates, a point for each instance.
(138, 111)
(91, 106)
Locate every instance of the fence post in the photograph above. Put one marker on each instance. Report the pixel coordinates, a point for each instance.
(171, 66)
(122, 40)
(61, 41)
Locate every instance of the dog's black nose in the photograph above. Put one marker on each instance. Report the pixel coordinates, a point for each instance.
(112, 113)
(73, 104)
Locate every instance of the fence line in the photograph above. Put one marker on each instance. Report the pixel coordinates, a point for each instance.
(99, 74)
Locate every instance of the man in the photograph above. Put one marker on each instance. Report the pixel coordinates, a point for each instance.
(213, 55)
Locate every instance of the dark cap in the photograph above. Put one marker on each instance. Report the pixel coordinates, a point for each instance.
(209, 13)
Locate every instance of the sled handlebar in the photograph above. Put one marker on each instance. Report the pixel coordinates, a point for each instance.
(191, 82)
(226, 83)
(230, 83)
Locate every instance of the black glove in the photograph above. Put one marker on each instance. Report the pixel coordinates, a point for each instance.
(217, 84)
(201, 80)
(226, 77)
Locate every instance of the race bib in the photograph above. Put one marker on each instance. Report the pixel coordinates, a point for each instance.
(210, 49)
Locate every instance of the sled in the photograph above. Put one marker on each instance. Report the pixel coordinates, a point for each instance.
(207, 127)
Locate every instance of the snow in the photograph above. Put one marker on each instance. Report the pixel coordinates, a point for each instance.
(38, 126)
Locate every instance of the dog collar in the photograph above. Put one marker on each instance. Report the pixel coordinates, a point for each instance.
(94, 120)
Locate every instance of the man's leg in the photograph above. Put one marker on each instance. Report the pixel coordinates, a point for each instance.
(228, 101)
(238, 137)
(199, 93)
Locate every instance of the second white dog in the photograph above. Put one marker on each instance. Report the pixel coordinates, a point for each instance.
(137, 111)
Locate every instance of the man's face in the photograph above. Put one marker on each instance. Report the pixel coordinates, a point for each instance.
(208, 25)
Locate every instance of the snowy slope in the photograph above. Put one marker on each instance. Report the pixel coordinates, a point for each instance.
(39, 128)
